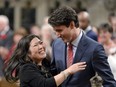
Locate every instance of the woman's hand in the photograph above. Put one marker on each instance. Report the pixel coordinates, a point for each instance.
(76, 67)
(71, 70)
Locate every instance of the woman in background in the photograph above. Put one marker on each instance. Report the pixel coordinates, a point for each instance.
(105, 33)
(18, 34)
(48, 36)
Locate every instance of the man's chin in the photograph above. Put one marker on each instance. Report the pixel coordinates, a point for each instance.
(65, 41)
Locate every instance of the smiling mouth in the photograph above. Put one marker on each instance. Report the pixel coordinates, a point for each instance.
(41, 51)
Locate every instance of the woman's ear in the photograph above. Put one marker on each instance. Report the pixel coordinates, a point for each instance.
(72, 25)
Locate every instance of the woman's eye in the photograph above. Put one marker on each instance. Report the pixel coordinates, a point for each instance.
(35, 45)
(40, 42)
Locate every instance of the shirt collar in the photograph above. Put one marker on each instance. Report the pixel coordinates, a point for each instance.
(88, 29)
(77, 40)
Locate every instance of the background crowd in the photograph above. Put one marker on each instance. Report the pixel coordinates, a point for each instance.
(105, 34)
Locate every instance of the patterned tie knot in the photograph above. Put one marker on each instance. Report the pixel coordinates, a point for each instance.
(70, 46)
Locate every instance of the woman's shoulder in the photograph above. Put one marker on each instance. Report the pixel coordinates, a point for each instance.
(28, 71)
(28, 66)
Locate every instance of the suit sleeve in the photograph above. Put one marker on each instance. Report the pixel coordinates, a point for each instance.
(53, 65)
(31, 75)
(95, 37)
(102, 67)
(9, 40)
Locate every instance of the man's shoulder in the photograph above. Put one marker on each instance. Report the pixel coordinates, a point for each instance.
(90, 41)
(58, 41)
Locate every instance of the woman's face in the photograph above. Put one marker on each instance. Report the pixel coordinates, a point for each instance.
(37, 50)
(17, 38)
(104, 36)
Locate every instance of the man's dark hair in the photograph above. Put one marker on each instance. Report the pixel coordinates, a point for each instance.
(106, 27)
(63, 16)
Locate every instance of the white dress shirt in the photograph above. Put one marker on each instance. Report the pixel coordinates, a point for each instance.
(75, 43)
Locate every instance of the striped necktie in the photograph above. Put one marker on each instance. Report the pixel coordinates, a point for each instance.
(70, 55)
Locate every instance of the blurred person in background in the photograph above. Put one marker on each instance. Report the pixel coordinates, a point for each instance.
(6, 36)
(105, 34)
(48, 35)
(112, 22)
(35, 30)
(18, 34)
(84, 23)
(112, 62)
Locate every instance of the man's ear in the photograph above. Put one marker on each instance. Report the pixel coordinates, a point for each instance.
(72, 25)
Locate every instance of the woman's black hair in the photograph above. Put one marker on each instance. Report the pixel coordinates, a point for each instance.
(19, 57)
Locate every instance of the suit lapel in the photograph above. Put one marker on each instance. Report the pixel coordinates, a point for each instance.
(80, 49)
(64, 49)
(79, 53)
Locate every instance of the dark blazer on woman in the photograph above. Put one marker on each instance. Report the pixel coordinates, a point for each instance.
(32, 76)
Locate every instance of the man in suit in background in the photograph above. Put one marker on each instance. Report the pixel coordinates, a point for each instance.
(6, 40)
(74, 46)
(84, 23)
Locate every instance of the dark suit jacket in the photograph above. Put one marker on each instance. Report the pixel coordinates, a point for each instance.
(93, 54)
(92, 35)
(31, 76)
(5, 42)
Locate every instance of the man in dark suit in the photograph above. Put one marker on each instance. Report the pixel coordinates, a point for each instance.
(84, 23)
(65, 22)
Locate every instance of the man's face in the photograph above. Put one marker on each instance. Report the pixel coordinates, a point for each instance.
(65, 33)
(83, 22)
